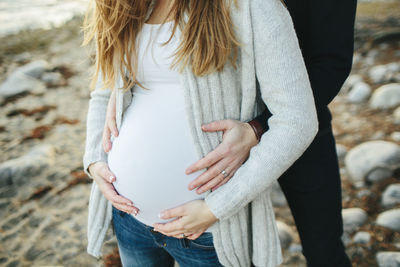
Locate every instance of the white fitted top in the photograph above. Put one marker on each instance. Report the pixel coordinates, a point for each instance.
(146, 171)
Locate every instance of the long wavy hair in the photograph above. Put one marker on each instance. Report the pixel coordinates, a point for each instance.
(208, 38)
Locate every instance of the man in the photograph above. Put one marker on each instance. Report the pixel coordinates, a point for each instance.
(312, 187)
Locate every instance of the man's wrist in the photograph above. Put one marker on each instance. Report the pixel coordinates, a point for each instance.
(257, 128)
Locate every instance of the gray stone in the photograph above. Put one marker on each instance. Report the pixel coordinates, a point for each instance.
(286, 234)
(391, 196)
(377, 73)
(396, 115)
(388, 259)
(395, 136)
(19, 82)
(351, 81)
(353, 218)
(34, 69)
(341, 151)
(277, 197)
(17, 171)
(359, 93)
(373, 160)
(295, 248)
(52, 78)
(393, 67)
(386, 96)
(362, 238)
(390, 219)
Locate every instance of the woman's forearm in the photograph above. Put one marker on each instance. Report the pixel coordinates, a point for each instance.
(95, 120)
(286, 90)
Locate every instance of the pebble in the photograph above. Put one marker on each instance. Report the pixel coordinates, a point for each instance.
(390, 219)
(395, 136)
(362, 238)
(351, 81)
(373, 160)
(353, 218)
(277, 197)
(52, 78)
(386, 96)
(388, 259)
(341, 151)
(17, 171)
(377, 73)
(391, 196)
(18, 83)
(295, 248)
(34, 69)
(396, 116)
(360, 92)
(286, 234)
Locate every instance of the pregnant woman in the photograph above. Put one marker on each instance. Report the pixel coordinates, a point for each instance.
(197, 62)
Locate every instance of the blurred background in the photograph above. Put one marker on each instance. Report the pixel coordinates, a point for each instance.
(44, 77)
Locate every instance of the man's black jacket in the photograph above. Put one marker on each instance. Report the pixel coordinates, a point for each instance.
(325, 29)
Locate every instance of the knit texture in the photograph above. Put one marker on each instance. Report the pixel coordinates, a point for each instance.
(246, 230)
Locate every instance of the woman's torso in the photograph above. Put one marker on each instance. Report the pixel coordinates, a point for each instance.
(151, 152)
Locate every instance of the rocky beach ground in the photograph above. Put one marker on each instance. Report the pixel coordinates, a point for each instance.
(44, 193)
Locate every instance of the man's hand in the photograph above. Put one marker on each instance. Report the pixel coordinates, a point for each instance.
(104, 179)
(238, 139)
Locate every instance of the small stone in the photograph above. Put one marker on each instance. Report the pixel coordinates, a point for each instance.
(362, 238)
(388, 259)
(351, 81)
(34, 69)
(359, 93)
(373, 160)
(17, 171)
(353, 218)
(19, 82)
(386, 96)
(52, 78)
(286, 234)
(396, 115)
(377, 73)
(363, 193)
(395, 136)
(391, 196)
(277, 197)
(390, 219)
(341, 151)
(295, 248)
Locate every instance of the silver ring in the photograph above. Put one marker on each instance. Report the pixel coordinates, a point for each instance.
(224, 173)
(183, 235)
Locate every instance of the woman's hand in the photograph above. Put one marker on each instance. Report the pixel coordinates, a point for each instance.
(104, 179)
(110, 126)
(238, 139)
(193, 218)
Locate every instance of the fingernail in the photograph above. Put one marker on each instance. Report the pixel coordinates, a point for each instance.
(111, 178)
(160, 215)
(188, 171)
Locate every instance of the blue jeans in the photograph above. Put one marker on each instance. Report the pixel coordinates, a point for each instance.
(140, 246)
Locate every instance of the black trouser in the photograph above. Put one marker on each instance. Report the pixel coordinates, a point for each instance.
(313, 190)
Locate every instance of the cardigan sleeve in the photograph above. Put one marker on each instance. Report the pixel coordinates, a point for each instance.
(95, 120)
(286, 90)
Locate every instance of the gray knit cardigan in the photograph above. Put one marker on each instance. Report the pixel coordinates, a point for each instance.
(246, 230)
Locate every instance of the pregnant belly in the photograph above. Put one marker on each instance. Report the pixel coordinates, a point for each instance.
(149, 158)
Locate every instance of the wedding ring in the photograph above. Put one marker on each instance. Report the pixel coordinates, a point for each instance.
(224, 173)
